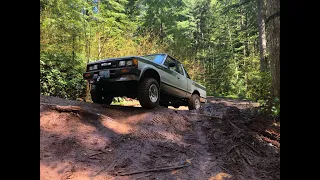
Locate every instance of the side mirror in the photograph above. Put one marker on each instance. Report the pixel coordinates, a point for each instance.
(172, 64)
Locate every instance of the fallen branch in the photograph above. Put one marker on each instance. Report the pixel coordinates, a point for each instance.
(95, 158)
(234, 125)
(273, 142)
(96, 154)
(232, 148)
(270, 135)
(240, 154)
(153, 170)
(235, 135)
(74, 109)
(100, 171)
(223, 168)
(67, 108)
(251, 147)
(246, 159)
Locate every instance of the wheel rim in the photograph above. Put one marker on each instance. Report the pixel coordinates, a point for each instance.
(153, 93)
(197, 103)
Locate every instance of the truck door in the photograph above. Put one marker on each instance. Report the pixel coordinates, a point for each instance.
(173, 78)
(182, 80)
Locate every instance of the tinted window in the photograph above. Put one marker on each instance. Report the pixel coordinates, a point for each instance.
(157, 58)
(186, 73)
(168, 61)
(177, 67)
(180, 68)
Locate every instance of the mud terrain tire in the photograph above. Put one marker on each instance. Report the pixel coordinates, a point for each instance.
(194, 102)
(149, 93)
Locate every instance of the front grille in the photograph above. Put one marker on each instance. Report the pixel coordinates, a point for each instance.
(107, 65)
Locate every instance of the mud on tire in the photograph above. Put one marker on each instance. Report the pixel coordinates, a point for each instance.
(149, 93)
(193, 102)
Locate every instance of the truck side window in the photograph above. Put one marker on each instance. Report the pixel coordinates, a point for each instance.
(186, 73)
(180, 68)
(168, 61)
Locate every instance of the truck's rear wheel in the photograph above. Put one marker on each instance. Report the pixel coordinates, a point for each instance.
(194, 102)
(97, 96)
(149, 93)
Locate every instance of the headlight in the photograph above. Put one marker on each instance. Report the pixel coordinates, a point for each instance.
(122, 63)
(129, 63)
(135, 62)
(93, 67)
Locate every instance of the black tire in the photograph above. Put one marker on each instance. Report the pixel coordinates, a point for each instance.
(176, 107)
(145, 97)
(97, 96)
(193, 102)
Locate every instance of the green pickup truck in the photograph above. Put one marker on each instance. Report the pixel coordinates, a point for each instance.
(155, 79)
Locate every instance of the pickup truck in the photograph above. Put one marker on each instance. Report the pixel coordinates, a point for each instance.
(155, 79)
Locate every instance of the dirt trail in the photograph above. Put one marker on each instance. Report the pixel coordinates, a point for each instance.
(222, 140)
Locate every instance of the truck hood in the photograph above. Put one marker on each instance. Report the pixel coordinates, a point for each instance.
(112, 59)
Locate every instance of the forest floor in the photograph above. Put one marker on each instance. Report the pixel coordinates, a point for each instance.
(225, 139)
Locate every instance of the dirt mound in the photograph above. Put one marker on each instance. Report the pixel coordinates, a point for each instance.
(241, 149)
(81, 140)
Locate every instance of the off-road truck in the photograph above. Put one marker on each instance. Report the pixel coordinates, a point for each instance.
(156, 79)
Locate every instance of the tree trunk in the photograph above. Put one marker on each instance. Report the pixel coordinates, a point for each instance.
(89, 43)
(262, 37)
(99, 45)
(86, 51)
(273, 37)
(73, 48)
(161, 32)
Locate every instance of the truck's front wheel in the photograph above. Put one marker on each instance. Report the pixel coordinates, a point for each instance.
(97, 96)
(149, 93)
(194, 102)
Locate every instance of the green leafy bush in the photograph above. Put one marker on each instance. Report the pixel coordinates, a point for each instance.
(57, 79)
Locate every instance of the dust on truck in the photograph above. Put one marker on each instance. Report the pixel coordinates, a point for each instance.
(155, 79)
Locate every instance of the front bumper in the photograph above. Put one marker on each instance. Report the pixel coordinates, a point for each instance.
(115, 75)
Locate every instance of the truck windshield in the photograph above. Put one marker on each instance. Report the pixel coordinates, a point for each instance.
(156, 58)
(186, 72)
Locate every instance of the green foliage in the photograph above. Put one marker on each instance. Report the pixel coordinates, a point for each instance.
(275, 107)
(57, 80)
(216, 40)
(270, 107)
(259, 86)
